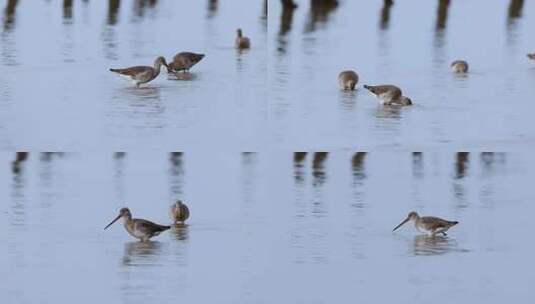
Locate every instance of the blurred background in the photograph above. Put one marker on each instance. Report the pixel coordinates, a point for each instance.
(303, 227)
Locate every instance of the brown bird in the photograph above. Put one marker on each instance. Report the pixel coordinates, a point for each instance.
(138, 228)
(428, 224)
(348, 80)
(242, 42)
(142, 74)
(459, 66)
(531, 56)
(183, 62)
(179, 212)
(389, 95)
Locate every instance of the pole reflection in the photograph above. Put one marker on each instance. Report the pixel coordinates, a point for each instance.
(319, 13)
(385, 14)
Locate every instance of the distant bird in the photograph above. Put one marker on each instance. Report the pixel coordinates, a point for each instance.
(183, 62)
(142, 74)
(389, 95)
(348, 80)
(242, 42)
(459, 66)
(531, 56)
(428, 224)
(138, 228)
(179, 212)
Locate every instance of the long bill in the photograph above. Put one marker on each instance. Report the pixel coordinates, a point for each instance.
(401, 224)
(115, 220)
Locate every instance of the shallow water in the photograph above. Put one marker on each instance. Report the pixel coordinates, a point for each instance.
(57, 93)
(410, 44)
(304, 228)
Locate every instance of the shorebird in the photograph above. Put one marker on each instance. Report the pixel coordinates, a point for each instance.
(428, 224)
(179, 212)
(459, 66)
(531, 56)
(348, 80)
(242, 42)
(389, 95)
(183, 62)
(142, 74)
(138, 228)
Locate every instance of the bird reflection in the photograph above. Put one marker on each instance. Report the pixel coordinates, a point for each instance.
(180, 232)
(113, 9)
(299, 158)
(9, 14)
(318, 168)
(141, 253)
(432, 245)
(67, 10)
(417, 164)
(212, 8)
(385, 14)
(319, 13)
(461, 164)
(442, 14)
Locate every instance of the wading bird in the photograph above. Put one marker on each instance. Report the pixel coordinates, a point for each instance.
(389, 95)
(428, 224)
(142, 74)
(138, 228)
(183, 62)
(179, 212)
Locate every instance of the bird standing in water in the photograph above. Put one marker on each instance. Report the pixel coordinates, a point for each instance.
(179, 212)
(183, 62)
(142, 74)
(242, 42)
(389, 95)
(428, 224)
(138, 228)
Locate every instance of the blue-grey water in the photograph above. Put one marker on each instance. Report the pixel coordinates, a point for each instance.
(410, 44)
(57, 93)
(272, 225)
(267, 227)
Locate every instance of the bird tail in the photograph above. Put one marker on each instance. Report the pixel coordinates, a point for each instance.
(454, 223)
(114, 70)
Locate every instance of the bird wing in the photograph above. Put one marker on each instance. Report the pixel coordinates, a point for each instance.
(149, 227)
(435, 222)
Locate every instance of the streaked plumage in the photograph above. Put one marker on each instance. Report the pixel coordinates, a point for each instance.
(348, 80)
(242, 42)
(179, 212)
(459, 66)
(138, 228)
(389, 95)
(142, 74)
(428, 224)
(184, 61)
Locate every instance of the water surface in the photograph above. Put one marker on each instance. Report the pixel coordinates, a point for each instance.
(304, 227)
